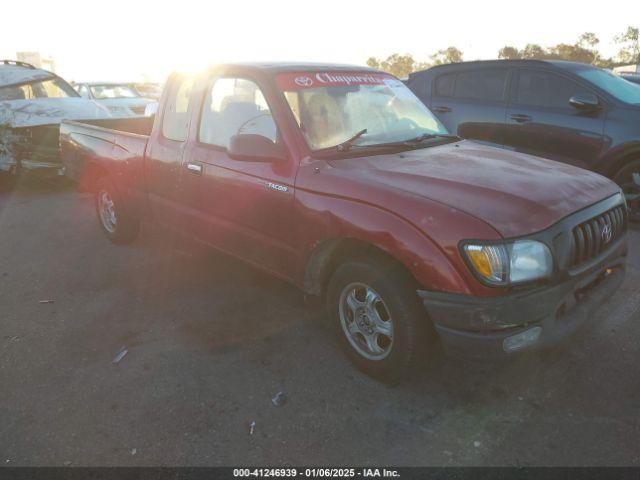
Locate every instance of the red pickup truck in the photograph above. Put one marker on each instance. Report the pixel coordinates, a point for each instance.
(339, 180)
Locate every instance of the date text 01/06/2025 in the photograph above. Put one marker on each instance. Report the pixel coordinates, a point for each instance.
(316, 472)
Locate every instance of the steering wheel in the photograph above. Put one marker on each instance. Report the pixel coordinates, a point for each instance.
(245, 123)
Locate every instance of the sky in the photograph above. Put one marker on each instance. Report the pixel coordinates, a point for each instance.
(132, 40)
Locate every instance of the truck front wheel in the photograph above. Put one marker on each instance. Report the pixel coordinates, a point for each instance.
(115, 223)
(627, 179)
(8, 180)
(378, 318)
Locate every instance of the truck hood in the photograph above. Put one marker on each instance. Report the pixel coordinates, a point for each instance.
(45, 111)
(515, 193)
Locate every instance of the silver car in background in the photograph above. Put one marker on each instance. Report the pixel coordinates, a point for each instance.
(122, 99)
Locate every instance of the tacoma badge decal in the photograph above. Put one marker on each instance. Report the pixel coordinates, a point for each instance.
(277, 187)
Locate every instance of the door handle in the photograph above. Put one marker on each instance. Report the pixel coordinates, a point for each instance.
(520, 118)
(194, 168)
(442, 109)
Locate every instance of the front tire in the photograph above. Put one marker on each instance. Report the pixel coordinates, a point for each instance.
(8, 180)
(119, 227)
(378, 318)
(631, 189)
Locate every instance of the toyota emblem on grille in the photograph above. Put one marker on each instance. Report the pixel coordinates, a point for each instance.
(606, 233)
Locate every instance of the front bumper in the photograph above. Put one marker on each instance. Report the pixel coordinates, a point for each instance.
(502, 326)
(34, 149)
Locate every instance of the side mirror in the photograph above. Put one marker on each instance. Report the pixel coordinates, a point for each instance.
(585, 101)
(248, 147)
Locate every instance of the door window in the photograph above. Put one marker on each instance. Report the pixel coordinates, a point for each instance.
(175, 121)
(444, 85)
(485, 84)
(545, 89)
(235, 106)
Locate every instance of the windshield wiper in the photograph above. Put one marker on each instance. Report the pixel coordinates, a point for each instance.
(429, 136)
(347, 144)
(412, 142)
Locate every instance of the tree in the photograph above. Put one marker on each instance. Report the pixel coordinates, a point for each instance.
(448, 55)
(584, 51)
(630, 41)
(399, 65)
(373, 62)
(534, 51)
(509, 53)
(571, 53)
(396, 64)
(589, 41)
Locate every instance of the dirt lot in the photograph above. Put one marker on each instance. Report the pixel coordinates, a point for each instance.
(210, 341)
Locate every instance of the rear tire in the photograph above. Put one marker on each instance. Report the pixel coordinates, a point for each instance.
(8, 180)
(379, 320)
(119, 227)
(624, 178)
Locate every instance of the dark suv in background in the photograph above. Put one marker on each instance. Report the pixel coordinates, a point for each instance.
(569, 112)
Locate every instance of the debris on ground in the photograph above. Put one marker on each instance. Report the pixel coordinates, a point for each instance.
(67, 463)
(279, 399)
(134, 451)
(46, 301)
(120, 355)
(252, 427)
(477, 444)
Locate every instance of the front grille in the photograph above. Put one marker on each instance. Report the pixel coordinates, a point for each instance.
(594, 236)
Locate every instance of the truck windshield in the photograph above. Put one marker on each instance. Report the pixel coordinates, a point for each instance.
(53, 88)
(624, 91)
(104, 92)
(332, 107)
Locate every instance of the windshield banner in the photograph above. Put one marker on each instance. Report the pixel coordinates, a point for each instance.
(302, 80)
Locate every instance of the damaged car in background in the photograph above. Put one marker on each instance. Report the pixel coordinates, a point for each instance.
(33, 102)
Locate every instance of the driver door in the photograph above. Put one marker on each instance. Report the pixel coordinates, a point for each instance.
(245, 206)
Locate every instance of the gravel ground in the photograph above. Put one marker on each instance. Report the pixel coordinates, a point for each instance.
(210, 341)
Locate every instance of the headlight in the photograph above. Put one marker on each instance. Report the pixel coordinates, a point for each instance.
(530, 260)
(515, 262)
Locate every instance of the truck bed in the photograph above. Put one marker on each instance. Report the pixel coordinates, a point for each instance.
(137, 125)
(115, 147)
(104, 143)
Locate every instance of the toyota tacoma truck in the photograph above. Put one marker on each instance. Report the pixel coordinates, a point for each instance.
(340, 181)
